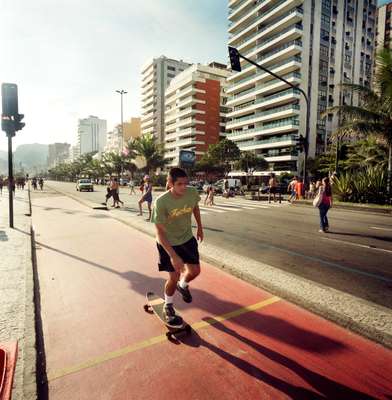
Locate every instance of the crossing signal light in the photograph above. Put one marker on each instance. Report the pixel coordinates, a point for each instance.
(301, 143)
(17, 122)
(234, 59)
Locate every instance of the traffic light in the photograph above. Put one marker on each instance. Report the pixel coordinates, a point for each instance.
(300, 143)
(9, 95)
(17, 122)
(234, 59)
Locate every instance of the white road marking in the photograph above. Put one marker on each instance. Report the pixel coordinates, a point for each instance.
(381, 229)
(358, 245)
(212, 209)
(246, 205)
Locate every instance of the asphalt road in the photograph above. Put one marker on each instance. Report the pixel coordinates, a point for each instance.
(355, 257)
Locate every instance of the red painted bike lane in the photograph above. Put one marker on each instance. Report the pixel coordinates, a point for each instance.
(247, 344)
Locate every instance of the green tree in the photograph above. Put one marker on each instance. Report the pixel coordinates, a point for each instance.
(365, 153)
(147, 148)
(224, 153)
(249, 159)
(374, 114)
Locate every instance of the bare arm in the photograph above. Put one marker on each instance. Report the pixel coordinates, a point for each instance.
(196, 213)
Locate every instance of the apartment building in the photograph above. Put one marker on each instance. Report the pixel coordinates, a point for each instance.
(384, 26)
(195, 110)
(91, 135)
(156, 76)
(313, 44)
(57, 154)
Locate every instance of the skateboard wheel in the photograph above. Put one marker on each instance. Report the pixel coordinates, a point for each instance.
(146, 308)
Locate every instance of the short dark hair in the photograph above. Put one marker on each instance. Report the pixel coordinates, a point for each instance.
(176, 173)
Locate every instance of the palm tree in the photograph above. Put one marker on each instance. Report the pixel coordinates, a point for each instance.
(147, 148)
(374, 114)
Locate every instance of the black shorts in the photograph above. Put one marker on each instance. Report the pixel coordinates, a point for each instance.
(272, 190)
(188, 252)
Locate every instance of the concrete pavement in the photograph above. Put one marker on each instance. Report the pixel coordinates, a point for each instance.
(17, 316)
(276, 248)
(100, 344)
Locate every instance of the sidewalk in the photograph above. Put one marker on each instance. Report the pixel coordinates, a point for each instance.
(100, 344)
(356, 314)
(17, 292)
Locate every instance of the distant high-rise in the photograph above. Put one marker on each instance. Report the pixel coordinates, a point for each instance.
(384, 26)
(314, 44)
(195, 110)
(156, 76)
(91, 135)
(58, 153)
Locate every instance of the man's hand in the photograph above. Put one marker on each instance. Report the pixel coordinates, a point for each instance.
(200, 234)
(177, 263)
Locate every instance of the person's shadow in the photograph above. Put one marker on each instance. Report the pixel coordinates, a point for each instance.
(325, 388)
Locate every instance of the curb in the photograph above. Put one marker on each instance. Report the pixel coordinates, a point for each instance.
(349, 208)
(350, 312)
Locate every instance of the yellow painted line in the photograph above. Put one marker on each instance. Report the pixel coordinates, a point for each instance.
(155, 340)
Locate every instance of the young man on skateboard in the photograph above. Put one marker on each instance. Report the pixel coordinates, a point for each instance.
(172, 216)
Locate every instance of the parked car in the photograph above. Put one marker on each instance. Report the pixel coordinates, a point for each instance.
(84, 184)
(124, 181)
(197, 184)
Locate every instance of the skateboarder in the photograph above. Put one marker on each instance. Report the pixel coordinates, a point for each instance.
(172, 216)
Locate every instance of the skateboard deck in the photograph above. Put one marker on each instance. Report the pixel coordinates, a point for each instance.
(155, 305)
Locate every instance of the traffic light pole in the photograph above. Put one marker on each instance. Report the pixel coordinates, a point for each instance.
(11, 122)
(306, 144)
(10, 180)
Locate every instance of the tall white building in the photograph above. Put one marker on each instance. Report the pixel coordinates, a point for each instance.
(314, 44)
(195, 110)
(156, 76)
(91, 135)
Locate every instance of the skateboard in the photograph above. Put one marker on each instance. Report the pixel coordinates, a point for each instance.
(155, 305)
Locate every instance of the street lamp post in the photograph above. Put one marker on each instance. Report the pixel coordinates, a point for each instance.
(122, 92)
(235, 55)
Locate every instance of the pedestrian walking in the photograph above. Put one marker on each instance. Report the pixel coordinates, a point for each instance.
(312, 190)
(1, 185)
(273, 186)
(116, 194)
(209, 200)
(109, 192)
(131, 185)
(34, 183)
(299, 189)
(147, 197)
(41, 183)
(323, 201)
(177, 247)
(291, 189)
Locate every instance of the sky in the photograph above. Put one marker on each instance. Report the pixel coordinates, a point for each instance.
(69, 56)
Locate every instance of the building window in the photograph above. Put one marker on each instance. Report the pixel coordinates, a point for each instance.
(323, 66)
(169, 68)
(324, 51)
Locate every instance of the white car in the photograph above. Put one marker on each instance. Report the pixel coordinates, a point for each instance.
(84, 184)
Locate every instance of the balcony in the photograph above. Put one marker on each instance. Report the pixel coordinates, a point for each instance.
(277, 112)
(289, 49)
(285, 22)
(283, 7)
(280, 141)
(293, 32)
